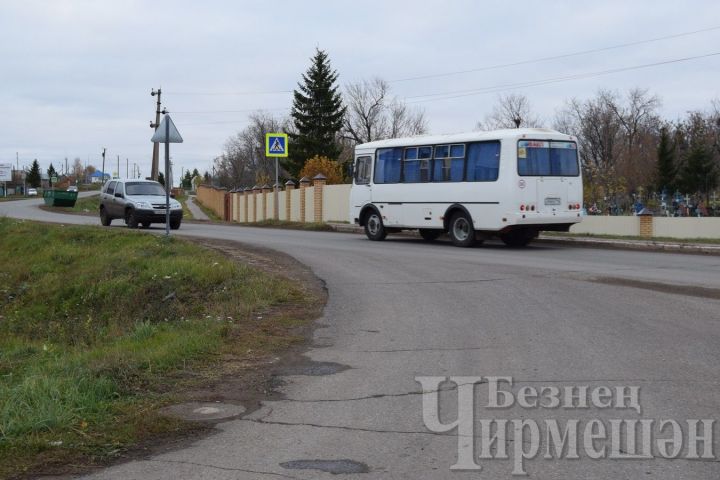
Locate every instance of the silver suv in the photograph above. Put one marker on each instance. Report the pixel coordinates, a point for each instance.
(138, 202)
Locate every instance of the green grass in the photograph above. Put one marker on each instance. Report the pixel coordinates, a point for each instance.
(10, 198)
(713, 241)
(187, 214)
(97, 328)
(87, 205)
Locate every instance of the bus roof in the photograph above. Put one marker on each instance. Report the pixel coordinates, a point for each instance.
(534, 133)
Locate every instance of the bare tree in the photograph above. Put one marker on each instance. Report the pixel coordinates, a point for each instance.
(510, 111)
(597, 128)
(77, 168)
(372, 114)
(243, 161)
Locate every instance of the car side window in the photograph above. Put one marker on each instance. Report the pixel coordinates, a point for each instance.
(110, 188)
(119, 188)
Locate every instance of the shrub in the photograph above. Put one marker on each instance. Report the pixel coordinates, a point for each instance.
(330, 168)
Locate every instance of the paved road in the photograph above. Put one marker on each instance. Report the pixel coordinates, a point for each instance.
(197, 213)
(401, 309)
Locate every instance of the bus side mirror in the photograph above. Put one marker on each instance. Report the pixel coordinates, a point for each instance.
(350, 169)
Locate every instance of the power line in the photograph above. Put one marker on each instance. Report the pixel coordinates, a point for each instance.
(509, 86)
(554, 57)
(275, 92)
(231, 111)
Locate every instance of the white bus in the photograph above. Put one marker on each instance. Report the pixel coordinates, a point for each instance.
(508, 183)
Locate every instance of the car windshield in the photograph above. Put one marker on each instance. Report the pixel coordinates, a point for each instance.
(144, 188)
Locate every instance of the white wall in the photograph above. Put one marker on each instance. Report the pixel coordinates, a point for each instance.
(686, 227)
(602, 225)
(336, 203)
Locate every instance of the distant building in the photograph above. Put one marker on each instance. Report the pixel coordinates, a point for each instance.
(99, 177)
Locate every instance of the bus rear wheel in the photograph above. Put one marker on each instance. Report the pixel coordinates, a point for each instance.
(429, 234)
(518, 238)
(374, 228)
(461, 231)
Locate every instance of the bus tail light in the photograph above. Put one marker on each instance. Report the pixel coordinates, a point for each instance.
(522, 208)
(532, 207)
(577, 206)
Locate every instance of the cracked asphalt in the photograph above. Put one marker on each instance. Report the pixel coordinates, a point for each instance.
(546, 315)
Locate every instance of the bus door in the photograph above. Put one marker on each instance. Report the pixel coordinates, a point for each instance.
(361, 193)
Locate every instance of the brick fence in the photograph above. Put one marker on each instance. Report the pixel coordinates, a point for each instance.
(309, 201)
(314, 201)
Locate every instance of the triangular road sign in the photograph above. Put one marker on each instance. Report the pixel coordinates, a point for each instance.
(277, 146)
(166, 135)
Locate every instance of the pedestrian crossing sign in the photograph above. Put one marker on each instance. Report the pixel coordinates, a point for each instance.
(276, 145)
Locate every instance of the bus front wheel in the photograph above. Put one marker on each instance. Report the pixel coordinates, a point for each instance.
(374, 228)
(461, 231)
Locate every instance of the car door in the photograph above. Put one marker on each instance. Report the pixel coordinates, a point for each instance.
(107, 199)
(119, 202)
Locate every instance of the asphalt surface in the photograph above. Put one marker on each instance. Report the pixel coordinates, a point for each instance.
(402, 308)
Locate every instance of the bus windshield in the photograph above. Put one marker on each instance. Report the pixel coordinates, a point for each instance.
(545, 158)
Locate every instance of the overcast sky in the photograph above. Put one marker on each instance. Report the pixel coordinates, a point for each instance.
(76, 75)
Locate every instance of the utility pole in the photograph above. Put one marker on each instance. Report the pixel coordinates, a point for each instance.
(156, 146)
(102, 176)
(118, 166)
(127, 168)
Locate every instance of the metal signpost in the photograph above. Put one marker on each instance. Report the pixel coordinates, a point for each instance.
(167, 133)
(276, 145)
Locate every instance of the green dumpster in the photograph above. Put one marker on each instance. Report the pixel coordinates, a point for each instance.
(59, 198)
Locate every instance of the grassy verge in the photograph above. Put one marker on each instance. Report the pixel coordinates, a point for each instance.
(322, 227)
(99, 328)
(87, 205)
(10, 198)
(187, 214)
(689, 241)
(211, 214)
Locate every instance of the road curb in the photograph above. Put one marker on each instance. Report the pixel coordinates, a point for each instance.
(640, 245)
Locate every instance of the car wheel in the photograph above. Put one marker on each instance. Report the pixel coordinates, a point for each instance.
(105, 220)
(146, 224)
(175, 224)
(518, 238)
(461, 230)
(374, 228)
(131, 219)
(429, 234)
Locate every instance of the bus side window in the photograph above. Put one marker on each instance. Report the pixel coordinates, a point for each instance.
(416, 167)
(449, 163)
(362, 171)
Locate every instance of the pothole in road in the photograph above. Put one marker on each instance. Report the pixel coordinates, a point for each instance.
(313, 369)
(334, 467)
(203, 411)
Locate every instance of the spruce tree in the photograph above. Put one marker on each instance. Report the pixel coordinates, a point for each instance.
(33, 176)
(666, 170)
(699, 173)
(317, 114)
(51, 173)
(187, 180)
